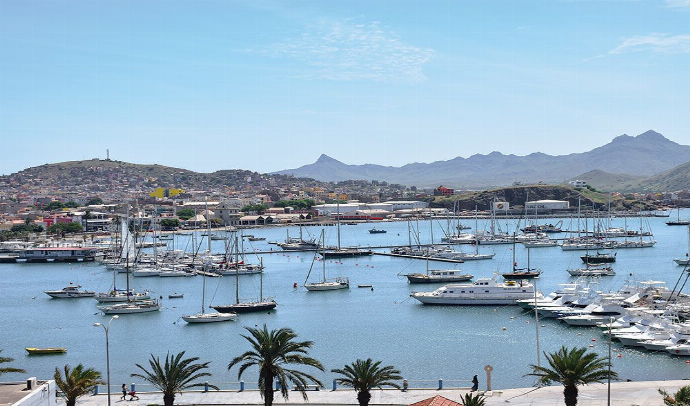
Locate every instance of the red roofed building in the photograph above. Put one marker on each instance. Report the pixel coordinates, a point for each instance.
(443, 191)
(437, 401)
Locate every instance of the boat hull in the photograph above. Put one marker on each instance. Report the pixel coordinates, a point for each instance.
(210, 318)
(46, 351)
(246, 307)
(317, 287)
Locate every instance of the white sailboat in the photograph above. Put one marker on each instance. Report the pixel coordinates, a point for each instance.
(204, 317)
(325, 284)
(686, 260)
(131, 306)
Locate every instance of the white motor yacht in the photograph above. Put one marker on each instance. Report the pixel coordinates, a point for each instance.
(484, 291)
(71, 291)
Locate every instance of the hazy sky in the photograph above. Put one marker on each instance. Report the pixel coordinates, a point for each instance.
(270, 85)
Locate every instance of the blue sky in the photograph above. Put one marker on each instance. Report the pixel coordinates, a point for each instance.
(270, 85)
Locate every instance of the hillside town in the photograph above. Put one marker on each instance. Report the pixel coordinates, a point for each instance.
(92, 195)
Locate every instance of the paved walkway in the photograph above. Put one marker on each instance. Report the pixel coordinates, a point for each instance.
(622, 393)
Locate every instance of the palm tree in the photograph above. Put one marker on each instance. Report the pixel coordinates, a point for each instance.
(271, 352)
(174, 376)
(364, 375)
(471, 399)
(76, 382)
(572, 367)
(680, 398)
(4, 370)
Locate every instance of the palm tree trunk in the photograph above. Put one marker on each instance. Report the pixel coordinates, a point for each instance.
(363, 397)
(169, 400)
(71, 401)
(268, 391)
(570, 395)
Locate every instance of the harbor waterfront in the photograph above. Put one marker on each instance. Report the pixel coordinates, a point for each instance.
(382, 322)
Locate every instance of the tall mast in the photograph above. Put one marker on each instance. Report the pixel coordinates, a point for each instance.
(337, 204)
(261, 280)
(208, 226)
(237, 272)
(323, 260)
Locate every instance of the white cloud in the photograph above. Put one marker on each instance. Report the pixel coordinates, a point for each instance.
(680, 4)
(352, 49)
(663, 43)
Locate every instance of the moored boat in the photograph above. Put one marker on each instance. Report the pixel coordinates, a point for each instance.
(71, 291)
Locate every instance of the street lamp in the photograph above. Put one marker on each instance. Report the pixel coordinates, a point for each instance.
(107, 351)
(608, 396)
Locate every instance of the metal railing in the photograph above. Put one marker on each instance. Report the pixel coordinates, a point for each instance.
(240, 386)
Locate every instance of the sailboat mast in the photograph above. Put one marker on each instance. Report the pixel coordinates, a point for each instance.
(323, 260)
(261, 280)
(208, 226)
(203, 291)
(338, 221)
(237, 272)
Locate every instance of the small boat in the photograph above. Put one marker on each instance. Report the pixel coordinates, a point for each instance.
(256, 238)
(439, 275)
(176, 296)
(45, 351)
(377, 231)
(678, 221)
(365, 285)
(143, 306)
(71, 291)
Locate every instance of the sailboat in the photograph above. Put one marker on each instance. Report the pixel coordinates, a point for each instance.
(340, 252)
(521, 273)
(325, 284)
(438, 275)
(238, 266)
(298, 244)
(686, 260)
(131, 306)
(204, 317)
(678, 221)
(246, 307)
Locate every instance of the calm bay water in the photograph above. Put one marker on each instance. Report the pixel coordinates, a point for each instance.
(425, 343)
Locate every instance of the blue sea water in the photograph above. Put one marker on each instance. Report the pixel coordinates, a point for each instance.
(425, 342)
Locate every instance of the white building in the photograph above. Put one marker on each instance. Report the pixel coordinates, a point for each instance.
(407, 204)
(547, 205)
(577, 183)
(329, 209)
(29, 393)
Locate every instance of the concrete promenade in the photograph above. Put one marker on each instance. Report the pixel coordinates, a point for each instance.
(642, 393)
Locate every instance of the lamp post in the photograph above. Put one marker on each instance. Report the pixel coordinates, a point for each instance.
(107, 351)
(608, 395)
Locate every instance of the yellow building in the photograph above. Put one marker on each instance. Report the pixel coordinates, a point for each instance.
(165, 192)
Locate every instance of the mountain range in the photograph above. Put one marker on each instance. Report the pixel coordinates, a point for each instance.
(630, 158)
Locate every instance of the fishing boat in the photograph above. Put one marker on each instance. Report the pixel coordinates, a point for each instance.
(377, 231)
(46, 350)
(204, 317)
(71, 291)
(484, 291)
(263, 304)
(325, 284)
